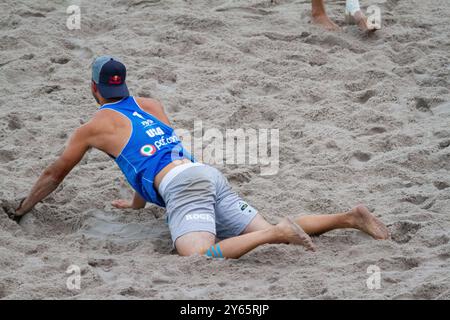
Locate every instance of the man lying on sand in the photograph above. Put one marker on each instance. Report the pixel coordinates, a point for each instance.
(200, 204)
(353, 14)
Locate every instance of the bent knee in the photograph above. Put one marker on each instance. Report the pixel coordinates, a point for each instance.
(186, 252)
(194, 243)
(192, 250)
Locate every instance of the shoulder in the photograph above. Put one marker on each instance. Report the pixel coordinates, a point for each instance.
(84, 131)
(154, 107)
(149, 104)
(104, 118)
(100, 121)
(100, 118)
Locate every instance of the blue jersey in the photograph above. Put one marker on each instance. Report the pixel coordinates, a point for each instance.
(152, 146)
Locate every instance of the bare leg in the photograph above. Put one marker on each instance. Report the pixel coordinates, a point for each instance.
(358, 218)
(321, 223)
(355, 15)
(284, 232)
(289, 230)
(319, 16)
(360, 19)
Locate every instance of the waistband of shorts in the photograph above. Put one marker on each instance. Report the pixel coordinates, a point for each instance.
(173, 173)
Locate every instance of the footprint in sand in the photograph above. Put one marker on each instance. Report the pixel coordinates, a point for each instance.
(240, 177)
(429, 291)
(377, 130)
(29, 13)
(403, 231)
(105, 263)
(441, 185)
(49, 89)
(79, 50)
(60, 60)
(444, 144)
(402, 263)
(415, 199)
(422, 104)
(368, 79)
(444, 256)
(437, 241)
(14, 122)
(7, 156)
(358, 158)
(365, 96)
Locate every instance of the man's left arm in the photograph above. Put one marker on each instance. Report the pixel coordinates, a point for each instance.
(55, 173)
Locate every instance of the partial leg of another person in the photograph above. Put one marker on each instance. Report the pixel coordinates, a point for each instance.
(354, 14)
(320, 17)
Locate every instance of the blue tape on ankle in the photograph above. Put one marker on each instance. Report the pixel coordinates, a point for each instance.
(214, 252)
(219, 251)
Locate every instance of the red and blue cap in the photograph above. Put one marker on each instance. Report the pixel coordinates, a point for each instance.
(109, 74)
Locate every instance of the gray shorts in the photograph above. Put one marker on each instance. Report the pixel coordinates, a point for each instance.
(200, 199)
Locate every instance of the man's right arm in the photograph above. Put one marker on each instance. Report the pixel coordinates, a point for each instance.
(54, 174)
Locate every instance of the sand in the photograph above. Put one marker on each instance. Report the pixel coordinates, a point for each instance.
(362, 120)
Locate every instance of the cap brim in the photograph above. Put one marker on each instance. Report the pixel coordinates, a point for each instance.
(113, 91)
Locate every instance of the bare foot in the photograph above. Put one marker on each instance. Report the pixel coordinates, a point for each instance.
(361, 20)
(294, 234)
(366, 222)
(324, 21)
